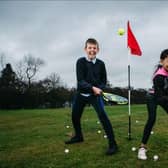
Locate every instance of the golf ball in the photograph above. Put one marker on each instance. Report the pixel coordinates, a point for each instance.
(133, 149)
(66, 151)
(137, 121)
(155, 157)
(105, 136)
(99, 131)
(98, 122)
(67, 126)
(152, 132)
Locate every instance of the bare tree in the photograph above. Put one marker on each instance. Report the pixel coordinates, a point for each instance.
(20, 70)
(2, 61)
(55, 80)
(32, 66)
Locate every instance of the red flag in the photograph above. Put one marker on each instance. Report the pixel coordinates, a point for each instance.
(132, 42)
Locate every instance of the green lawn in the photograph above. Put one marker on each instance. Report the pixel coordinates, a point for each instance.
(35, 139)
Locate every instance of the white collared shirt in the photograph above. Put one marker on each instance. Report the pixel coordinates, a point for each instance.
(93, 60)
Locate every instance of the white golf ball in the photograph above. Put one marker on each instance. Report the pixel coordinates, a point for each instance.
(105, 136)
(98, 122)
(133, 149)
(137, 121)
(155, 157)
(152, 132)
(67, 126)
(66, 151)
(99, 131)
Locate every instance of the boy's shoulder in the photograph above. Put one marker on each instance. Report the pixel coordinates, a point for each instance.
(83, 59)
(99, 61)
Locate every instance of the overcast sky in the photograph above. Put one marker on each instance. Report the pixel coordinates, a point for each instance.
(56, 32)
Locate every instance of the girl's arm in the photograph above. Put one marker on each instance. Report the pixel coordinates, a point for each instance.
(159, 86)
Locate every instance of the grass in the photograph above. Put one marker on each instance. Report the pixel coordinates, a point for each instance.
(35, 139)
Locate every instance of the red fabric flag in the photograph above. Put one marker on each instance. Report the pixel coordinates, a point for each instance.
(132, 42)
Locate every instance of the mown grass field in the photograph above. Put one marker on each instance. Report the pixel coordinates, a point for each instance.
(35, 139)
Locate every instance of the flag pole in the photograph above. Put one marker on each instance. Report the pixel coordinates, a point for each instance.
(129, 97)
(134, 49)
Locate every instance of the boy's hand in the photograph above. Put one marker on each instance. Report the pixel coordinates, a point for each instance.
(96, 91)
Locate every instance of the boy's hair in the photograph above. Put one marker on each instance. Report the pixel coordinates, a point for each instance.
(91, 41)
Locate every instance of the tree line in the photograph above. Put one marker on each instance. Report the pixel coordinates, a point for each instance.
(19, 89)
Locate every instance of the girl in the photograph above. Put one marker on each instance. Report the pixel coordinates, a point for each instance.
(157, 96)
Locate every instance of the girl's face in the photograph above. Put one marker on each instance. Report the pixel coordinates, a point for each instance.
(91, 50)
(164, 63)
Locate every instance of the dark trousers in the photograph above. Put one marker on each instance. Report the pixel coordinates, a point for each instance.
(98, 104)
(152, 107)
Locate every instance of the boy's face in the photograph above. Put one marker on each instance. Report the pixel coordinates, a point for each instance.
(91, 50)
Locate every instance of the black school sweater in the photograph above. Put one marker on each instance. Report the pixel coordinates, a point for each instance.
(90, 74)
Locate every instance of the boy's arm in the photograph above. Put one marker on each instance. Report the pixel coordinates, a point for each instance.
(99, 89)
(83, 85)
(103, 77)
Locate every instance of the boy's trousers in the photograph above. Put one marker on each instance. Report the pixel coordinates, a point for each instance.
(80, 102)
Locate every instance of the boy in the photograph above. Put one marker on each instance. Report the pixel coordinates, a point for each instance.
(91, 79)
